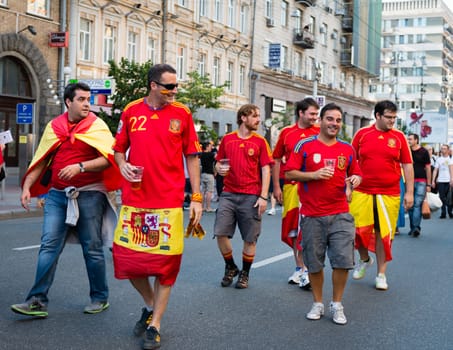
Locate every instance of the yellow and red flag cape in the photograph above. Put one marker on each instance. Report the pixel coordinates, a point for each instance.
(361, 208)
(290, 215)
(91, 130)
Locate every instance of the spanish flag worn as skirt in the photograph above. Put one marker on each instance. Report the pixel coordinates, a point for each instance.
(361, 208)
(148, 242)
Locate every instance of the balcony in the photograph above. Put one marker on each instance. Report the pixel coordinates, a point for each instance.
(345, 58)
(346, 24)
(304, 39)
(307, 3)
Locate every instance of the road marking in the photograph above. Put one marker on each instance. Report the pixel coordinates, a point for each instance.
(28, 247)
(272, 260)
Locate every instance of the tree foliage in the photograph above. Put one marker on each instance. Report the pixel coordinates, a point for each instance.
(199, 92)
(131, 81)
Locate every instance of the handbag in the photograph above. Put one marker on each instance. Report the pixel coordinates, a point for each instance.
(434, 201)
(426, 212)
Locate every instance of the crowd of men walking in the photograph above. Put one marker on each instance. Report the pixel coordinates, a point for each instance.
(336, 196)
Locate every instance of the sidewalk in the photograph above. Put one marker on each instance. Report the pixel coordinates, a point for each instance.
(10, 207)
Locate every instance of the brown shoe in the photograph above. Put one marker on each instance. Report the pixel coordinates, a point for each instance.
(243, 280)
(230, 273)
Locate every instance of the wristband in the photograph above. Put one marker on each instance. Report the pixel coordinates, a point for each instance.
(265, 199)
(197, 197)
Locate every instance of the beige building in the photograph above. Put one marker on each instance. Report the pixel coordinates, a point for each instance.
(272, 52)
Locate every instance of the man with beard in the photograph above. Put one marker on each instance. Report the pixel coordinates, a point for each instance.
(327, 171)
(307, 115)
(245, 193)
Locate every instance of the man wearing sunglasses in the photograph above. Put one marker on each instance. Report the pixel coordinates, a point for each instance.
(156, 132)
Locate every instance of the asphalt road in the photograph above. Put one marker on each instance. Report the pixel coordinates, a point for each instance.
(415, 313)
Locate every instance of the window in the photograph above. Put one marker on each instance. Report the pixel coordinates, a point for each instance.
(216, 127)
(298, 20)
(218, 10)
(284, 57)
(323, 72)
(311, 68)
(230, 70)
(203, 4)
(151, 49)
(182, 3)
(4, 2)
(335, 39)
(333, 77)
(228, 128)
(216, 71)
(109, 43)
(244, 16)
(231, 13)
(86, 28)
(241, 80)
(284, 14)
(181, 62)
(202, 64)
(311, 25)
(268, 9)
(298, 64)
(38, 7)
(323, 33)
(132, 40)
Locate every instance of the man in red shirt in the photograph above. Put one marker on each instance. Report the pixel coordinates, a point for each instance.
(381, 152)
(244, 197)
(75, 151)
(327, 171)
(155, 132)
(307, 113)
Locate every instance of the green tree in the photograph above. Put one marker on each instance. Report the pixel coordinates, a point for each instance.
(199, 92)
(131, 81)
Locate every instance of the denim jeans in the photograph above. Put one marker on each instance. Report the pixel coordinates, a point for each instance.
(54, 233)
(443, 188)
(415, 213)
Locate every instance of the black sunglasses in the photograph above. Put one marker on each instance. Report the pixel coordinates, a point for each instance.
(167, 86)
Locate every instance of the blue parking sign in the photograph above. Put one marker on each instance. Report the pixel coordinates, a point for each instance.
(24, 113)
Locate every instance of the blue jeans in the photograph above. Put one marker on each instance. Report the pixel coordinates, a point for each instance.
(415, 213)
(54, 233)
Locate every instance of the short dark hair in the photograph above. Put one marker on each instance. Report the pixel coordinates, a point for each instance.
(330, 107)
(416, 137)
(304, 104)
(245, 110)
(156, 71)
(70, 91)
(381, 106)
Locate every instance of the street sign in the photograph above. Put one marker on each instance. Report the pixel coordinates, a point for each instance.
(24, 113)
(320, 99)
(97, 86)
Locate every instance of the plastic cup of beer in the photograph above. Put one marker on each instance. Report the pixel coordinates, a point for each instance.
(330, 163)
(224, 164)
(136, 182)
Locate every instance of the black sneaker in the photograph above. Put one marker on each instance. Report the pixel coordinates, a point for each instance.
(143, 322)
(32, 307)
(243, 280)
(416, 233)
(230, 273)
(152, 339)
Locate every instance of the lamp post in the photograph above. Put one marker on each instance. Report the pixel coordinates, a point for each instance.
(422, 74)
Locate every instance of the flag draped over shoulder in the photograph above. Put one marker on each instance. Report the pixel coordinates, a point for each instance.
(361, 207)
(290, 215)
(90, 130)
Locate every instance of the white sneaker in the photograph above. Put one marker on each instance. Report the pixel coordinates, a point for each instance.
(271, 211)
(305, 281)
(295, 277)
(360, 268)
(381, 282)
(337, 311)
(316, 312)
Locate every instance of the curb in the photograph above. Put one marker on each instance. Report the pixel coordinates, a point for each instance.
(20, 214)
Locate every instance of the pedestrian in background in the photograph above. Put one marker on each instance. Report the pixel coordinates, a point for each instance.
(149, 235)
(207, 160)
(382, 151)
(307, 116)
(245, 194)
(74, 165)
(422, 182)
(327, 171)
(442, 180)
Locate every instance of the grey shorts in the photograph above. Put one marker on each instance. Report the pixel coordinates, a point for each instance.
(207, 183)
(237, 208)
(334, 234)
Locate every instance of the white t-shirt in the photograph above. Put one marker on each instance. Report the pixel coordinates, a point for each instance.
(442, 164)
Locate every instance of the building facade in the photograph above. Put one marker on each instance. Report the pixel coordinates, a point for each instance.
(417, 58)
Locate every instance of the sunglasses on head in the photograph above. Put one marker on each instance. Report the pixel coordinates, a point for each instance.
(167, 86)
